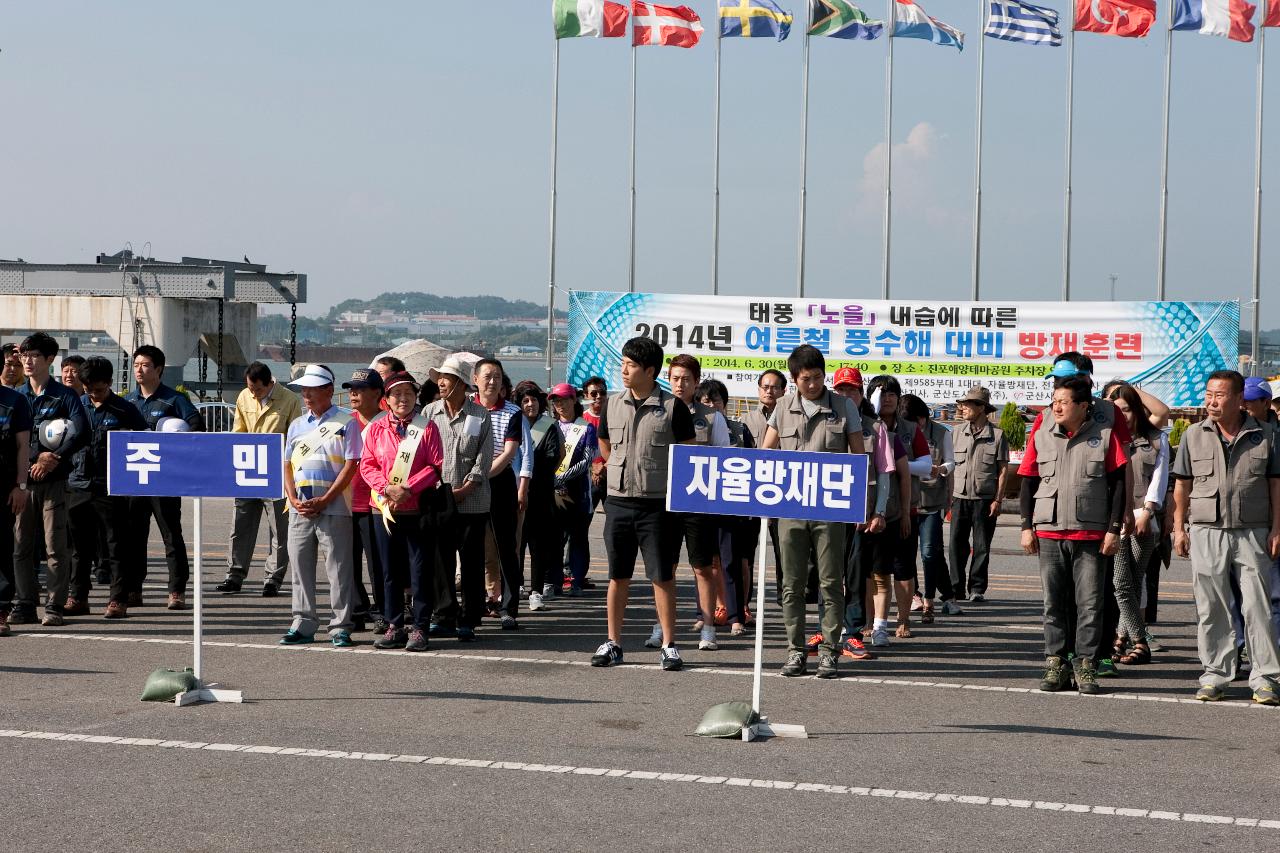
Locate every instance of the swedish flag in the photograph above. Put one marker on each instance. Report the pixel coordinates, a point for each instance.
(753, 19)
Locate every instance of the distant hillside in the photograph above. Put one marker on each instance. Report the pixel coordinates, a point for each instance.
(482, 307)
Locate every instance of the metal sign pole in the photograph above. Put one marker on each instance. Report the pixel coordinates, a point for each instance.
(197, 623)
(763, 728)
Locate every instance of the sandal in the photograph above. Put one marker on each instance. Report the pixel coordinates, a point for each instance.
(1140, 655)
(903, 632)
(722, 616)
(926, 615)
(1118, 648)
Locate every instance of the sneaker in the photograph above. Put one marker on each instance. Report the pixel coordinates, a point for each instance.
(1244, 664)
(977, 598)
(827, 666)
(22, 616)
(524, 591)
(707, 640)
(917, 603)
(115, 610)
(1086, 675)
(177, 601)
(549, 590)
(392, 638)
(341, 639)
(417, 641)
(795, 665)
(438, 630)
(1106, 668)
(1266, 695)
(670, 657)
(229, 585)
(5, 630)
(811, 647)
(853, 648)
(535, 601)
(270, 589)
(296, 638)
(75, 607)
(1056, 675)
(609, 654)
(53, 620)
(950, 608)
(509, 623)
(655, 637)
(879, 637)
(1211, 693)
(467, 635)
(1152, 642)
(380, 626)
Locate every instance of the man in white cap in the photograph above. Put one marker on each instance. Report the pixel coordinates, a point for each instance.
(322, 451)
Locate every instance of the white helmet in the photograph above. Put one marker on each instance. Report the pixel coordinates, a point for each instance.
(172, 425)
(57, 434)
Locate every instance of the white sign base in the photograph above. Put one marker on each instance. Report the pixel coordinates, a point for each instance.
(208, 693)
(764, 728)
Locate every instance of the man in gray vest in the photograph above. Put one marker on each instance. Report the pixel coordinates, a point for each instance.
(1227, 474)
(1073, 503)
(637, 428)
(982, 464)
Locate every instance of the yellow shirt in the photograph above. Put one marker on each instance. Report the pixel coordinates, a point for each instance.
(282, 407)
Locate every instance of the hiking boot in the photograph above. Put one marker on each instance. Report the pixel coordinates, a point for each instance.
(380, 626)
(1210, 693)
(1086, 676)
(609, 654)
(827, 666)
(853, 648)
(417, 641)
(811, 647)
(115, 610)
(52, 620)
(1266, 695)
(392, 638)
(655, 637)
(795, 665)
(177, 601)
(75, 607)
(670, 658)
(1056, 675)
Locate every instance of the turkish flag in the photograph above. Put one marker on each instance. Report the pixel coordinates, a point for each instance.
(1124, 18)
(669, 26)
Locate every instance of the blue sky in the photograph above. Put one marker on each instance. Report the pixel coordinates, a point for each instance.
(405, 146)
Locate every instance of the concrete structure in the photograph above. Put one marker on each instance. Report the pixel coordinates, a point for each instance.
(187, 308)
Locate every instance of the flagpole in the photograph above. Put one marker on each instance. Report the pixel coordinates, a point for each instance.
(1254, 350)
(804, 160)
(631, 245)
(551, 278)
(977, 169)
(888, 150)
(715, 209)
(1162, 246)
(1066, 222)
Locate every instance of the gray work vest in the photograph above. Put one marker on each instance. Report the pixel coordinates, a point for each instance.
(756, 421)
(640, 439)
(737, 432)
(1073, 476)
(892, 509)
(933, 495)
(1229, 486)
(977, 462)
(825, 430)
(906, 431)
(1143, 456)
(703, 416)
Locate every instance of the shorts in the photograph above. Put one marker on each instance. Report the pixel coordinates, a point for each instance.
(700, 535)
(887, 552)
(640, 528)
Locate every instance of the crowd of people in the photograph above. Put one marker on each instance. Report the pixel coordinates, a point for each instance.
(426, 495)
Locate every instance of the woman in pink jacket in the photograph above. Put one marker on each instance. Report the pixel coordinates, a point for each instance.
(401, 464)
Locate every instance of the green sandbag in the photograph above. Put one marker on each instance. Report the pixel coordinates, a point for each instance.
(727, 719)
(163, 684)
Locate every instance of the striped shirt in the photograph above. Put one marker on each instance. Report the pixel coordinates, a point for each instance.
(468, 450)
(509, 424)
(320, 470)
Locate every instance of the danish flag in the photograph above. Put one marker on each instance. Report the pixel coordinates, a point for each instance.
(669, 26)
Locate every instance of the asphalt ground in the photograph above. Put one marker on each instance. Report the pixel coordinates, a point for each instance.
(942, 742)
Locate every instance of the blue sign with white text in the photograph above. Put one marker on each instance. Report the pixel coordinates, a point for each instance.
(196, 464)
(792, 484)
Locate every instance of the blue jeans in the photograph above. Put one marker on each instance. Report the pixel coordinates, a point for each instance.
(937, 577)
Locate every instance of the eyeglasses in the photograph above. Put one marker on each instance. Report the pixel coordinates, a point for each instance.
(29, 355)
(777, 389)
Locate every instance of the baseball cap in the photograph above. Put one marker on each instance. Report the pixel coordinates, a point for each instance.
(847, 376)
(563, 390)
(314, 376)
(364, 378)
(400, 377)
(1062, 368)
(1257, 388)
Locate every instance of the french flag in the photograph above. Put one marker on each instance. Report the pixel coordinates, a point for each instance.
(1230, 18)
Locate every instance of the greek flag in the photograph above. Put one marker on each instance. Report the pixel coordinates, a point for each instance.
(1016, 20)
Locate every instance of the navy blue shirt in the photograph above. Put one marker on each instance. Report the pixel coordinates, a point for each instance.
(89, 473)
(56, 401)
(166, 403)
(15, 417)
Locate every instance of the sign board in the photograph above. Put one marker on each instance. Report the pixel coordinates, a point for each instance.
(196, 464)
(768, 483)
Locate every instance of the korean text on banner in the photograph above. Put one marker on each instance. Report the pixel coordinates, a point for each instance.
(768, 483)
(196, 464)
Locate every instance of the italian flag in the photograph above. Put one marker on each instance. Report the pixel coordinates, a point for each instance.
(588, 19)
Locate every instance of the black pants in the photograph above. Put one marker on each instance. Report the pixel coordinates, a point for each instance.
(364, 544)
(544, 538)
(1110, 610)
(96, 519)
(504, 512)
(408, 559)
(1153, 582)
(168, 516)
(972, 529)
(458, 538)
(731, 533)
(6, 555)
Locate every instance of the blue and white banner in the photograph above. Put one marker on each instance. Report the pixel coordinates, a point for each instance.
(196, 464)
(767, 483)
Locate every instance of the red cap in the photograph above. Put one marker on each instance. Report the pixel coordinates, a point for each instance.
(848, 376)
(563, 390)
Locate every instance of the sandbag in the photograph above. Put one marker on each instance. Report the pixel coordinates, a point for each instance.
(163, 684)
(727, 719)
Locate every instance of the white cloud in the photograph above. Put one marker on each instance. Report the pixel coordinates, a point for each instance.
(915, 178)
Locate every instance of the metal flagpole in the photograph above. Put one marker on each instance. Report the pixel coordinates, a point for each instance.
(1254, 349)
(1162, 246)
(804, 162)
(1066, 222)
(977, 169)
(715, 209)
(551, 279)
(888, 150)
(631, 250)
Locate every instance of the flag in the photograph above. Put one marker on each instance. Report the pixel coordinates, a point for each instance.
(1124, 18)
(910, 21)
(588, 18)
(1012, 20)
(1273, 14)
(1230, 18)
(753, 19)
(843, 20)
(668, 26)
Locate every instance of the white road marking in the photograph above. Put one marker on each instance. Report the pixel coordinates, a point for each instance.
(654, 776)
(325, 648)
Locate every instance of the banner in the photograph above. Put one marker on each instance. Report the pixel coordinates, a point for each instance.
(196, 464)
(936, 349)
